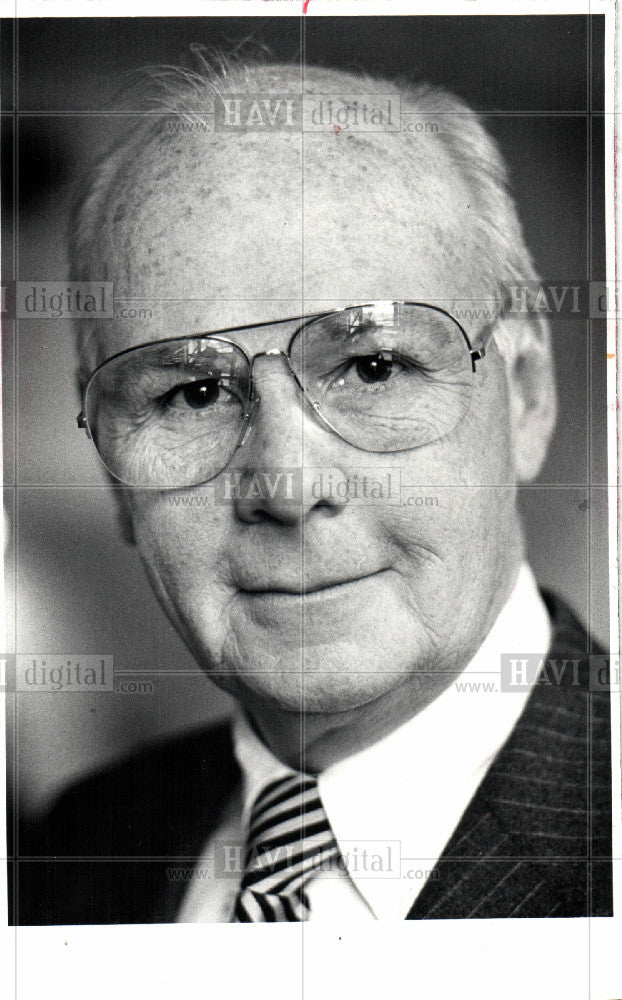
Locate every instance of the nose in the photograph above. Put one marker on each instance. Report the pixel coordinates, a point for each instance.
(276, 474)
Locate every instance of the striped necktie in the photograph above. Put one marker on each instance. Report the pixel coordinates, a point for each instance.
(289, 839)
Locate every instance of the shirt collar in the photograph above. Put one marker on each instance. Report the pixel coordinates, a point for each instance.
(414, 784)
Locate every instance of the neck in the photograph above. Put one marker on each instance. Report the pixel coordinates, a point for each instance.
(313, 741)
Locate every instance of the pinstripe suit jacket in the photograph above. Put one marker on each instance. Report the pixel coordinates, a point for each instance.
(535, 840)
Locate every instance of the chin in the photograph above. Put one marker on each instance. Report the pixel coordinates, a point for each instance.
(306, 684)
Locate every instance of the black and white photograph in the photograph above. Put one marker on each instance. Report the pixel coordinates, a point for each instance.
(310, 497)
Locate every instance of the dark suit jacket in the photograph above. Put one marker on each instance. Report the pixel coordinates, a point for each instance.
(534, 841)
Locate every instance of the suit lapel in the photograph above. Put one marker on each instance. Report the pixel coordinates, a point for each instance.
(479, 875)
(540, 810)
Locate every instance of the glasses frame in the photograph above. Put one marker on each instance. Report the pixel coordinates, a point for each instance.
(475, 354)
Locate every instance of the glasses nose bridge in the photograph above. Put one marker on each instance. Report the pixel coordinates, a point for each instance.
(255, 400)
(271, 352)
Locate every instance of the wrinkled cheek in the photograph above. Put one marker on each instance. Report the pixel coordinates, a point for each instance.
(187, 574)
(179, 534)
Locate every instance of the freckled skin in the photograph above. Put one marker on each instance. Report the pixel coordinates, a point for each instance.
(239, 229)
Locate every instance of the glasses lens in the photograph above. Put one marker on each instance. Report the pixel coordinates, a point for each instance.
(388, 376)
(169, 414)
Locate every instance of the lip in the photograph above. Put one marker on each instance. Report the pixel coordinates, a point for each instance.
(321, 589)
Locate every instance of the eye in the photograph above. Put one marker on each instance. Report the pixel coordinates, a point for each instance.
(374, 367)
(197, 395)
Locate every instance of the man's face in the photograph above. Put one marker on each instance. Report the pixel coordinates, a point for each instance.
(232, 231)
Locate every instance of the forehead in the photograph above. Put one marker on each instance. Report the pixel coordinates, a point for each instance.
(210, 231)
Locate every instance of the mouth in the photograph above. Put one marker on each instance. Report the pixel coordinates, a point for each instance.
(324, 588)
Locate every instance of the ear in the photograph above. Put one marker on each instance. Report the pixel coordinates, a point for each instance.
(531, 387)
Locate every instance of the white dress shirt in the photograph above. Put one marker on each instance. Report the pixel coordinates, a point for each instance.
(393, 806)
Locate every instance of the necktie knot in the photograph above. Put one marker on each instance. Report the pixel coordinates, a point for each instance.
(289, 840)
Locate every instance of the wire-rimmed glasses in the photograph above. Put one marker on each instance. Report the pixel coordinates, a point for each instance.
(384, 377)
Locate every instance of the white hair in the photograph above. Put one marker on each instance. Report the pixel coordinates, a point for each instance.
(173, 93)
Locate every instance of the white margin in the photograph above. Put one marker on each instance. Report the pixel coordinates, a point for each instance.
(551, 959)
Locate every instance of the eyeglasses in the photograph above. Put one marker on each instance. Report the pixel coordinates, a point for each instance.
(384, 377)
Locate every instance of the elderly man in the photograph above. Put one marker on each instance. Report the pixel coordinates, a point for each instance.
(306, 351)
